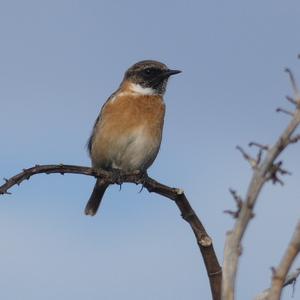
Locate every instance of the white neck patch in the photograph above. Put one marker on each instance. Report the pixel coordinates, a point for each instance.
(138, 89)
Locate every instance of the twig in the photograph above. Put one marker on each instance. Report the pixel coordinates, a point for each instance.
(238, 201)
(279, 109)
(274, 172)
(251, 160)
(291, 278)
(262, 147)
(294, 84)
(204, 241)
(281, 271)
(291, 100)
(261, 174)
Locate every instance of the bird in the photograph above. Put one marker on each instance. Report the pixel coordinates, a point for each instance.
(127, 134)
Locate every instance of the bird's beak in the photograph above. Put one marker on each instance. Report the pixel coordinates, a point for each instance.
(169, 72)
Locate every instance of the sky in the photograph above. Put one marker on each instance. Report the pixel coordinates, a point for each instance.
(60, 60)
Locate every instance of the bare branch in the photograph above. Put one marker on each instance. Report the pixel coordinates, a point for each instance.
(204, 241)
(261, 173)
(291, 279)
(279, 109)
(280, 274)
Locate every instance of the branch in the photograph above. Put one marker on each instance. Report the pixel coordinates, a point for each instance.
(204, 241)
(279, 274)
(291, 278)
(264, 170)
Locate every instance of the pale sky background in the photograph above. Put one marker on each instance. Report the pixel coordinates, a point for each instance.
(59, 61)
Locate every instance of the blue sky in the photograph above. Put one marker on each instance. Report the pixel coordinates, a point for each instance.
(59, 61)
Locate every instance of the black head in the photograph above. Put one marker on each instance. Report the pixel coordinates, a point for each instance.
(150, 74)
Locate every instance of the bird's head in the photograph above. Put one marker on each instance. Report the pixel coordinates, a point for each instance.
(149, 77)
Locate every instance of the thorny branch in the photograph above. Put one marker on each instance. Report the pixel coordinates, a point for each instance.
(263, 170)
(204, 241)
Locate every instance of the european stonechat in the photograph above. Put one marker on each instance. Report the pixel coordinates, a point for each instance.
(127, 133)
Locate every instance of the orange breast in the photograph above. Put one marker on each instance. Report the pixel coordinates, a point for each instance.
(129, 131)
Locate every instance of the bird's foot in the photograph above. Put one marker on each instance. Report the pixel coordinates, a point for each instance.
(143, 179)
(117, 176)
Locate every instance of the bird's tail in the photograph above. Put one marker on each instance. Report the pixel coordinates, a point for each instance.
(96, 197)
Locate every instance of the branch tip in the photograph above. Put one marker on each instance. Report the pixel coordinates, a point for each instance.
(294, 84)
(285, 111)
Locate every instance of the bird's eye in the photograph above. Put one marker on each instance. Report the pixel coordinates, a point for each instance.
(149, 71)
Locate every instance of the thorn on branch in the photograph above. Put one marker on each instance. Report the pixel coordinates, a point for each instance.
(5, 193)
(285, 111)
(141, 189)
